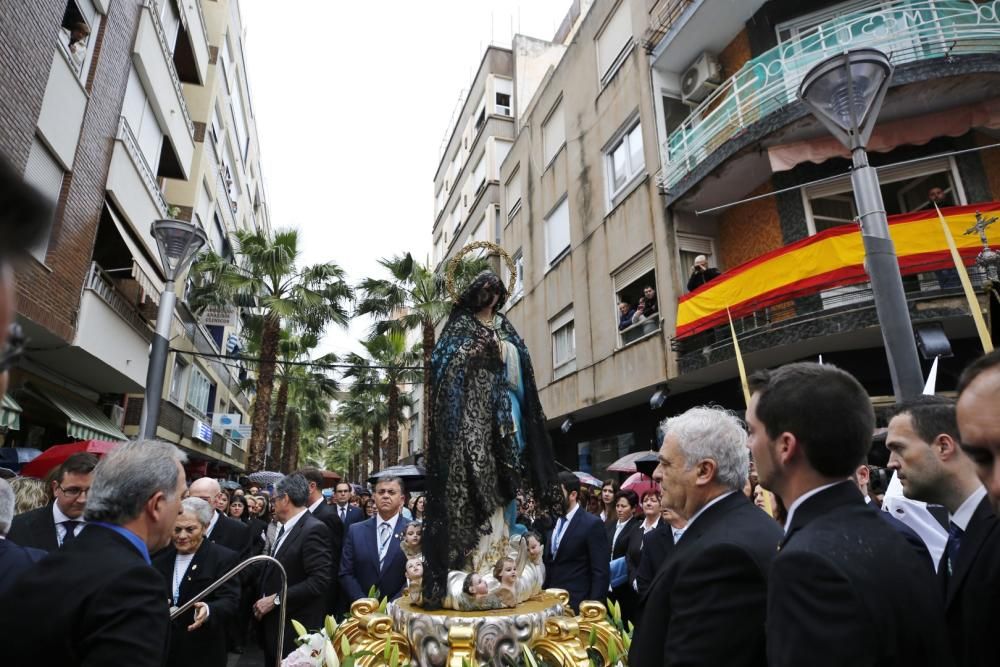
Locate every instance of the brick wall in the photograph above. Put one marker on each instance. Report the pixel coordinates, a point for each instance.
(749, 230)
(736, 53)
(50, 294)
(991, 163)
(27, 43)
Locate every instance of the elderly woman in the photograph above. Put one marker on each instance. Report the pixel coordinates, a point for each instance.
(188, 566)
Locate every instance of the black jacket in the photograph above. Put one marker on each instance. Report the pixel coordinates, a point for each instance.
(35, 529)
(972, 591)
(15, 560)
(580, 566)
(94, 603)
(705, 606)
(646, 552)
(846, 589)
(206, 646)
(328, 516)
(232, 534)
(702, 277)
(623, 593)
(305, 555)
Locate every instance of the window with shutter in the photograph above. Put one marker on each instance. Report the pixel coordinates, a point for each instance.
(613, 42)
(46, 174)
(557, 240)
(553, 133)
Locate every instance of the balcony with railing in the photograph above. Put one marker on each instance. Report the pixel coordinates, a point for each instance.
(796, 299)
(909, 31)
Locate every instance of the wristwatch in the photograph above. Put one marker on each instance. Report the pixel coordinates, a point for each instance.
(277, 600)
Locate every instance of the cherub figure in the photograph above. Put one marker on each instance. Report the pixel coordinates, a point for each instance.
(415, 578)
(505, 572)
(530, 569)
(412, 539)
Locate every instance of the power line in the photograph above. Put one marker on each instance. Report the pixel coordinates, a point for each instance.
(314, 364)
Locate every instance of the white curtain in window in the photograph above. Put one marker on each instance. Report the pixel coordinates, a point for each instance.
(512, 191)
(614, 38)
(553, 134)
(557, 231)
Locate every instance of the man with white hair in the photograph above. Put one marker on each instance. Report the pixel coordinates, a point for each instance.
(14, 559)
(223, 530)
(97, 601)
(715, 582)
(701, 273)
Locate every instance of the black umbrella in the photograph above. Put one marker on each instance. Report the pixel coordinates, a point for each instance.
(647, 463)
(412, 476)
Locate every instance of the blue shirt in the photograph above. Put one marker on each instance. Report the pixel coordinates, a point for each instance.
(128, 535)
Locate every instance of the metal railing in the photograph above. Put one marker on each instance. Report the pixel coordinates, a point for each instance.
(127, 137)
(666, 14)
(907, 30)
(101, 284)
(150, 6)
(239, 567)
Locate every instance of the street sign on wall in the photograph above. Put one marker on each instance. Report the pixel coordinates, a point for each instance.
(219, 316)
(201, 431)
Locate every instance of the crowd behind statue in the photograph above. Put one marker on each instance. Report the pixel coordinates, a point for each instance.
(710, 570)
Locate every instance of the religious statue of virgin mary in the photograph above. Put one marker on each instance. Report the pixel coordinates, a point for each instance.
(487, 442)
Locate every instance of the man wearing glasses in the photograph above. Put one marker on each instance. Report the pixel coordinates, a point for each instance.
(50, 527)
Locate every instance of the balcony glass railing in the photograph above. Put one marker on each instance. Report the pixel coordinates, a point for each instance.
(907, 30)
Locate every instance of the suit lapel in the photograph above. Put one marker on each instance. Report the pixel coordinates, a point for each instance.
(844, 493)
(197, 563)
(982, 524)
(294, 535)
(571, 528)
(45, 529)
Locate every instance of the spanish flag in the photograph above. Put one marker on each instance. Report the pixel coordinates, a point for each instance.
(832, 258)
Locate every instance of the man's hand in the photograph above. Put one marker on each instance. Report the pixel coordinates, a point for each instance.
(264, 606)
(200, 615)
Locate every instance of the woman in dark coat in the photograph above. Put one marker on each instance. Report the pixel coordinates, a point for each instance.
(189, 566)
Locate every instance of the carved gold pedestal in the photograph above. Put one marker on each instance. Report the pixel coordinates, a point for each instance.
(498, 637)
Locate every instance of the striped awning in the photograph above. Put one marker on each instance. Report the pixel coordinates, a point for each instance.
(10, 414)
(84, 421)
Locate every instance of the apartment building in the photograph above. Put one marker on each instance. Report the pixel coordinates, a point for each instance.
(108, 112)
(583, 215)
(754, 182)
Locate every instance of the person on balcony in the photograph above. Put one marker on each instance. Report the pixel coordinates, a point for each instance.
(625, 313)
(701, 273)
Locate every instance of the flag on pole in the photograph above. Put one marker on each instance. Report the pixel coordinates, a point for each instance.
(739, 361)
(963, 275)
(931, 385)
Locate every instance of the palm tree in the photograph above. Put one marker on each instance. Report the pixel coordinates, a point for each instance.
(413, 298)
(389, 364)
(311, 393)
(267, 279)
(355, 414)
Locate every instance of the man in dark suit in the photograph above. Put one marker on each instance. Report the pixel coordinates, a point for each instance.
(348, 513)
(715, 582)
(924, 450)
(577, 549)
(14, 559)
(302, 546)
(845, 588)
(48, 528)
(325, 513)
(978, 408)
(224, 530)
(861, 477)
(372, 552)
(97, 601)
(188, 566)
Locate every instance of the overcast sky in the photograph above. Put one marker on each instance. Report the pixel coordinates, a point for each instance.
(353, 101)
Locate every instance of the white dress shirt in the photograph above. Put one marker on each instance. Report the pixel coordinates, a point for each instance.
(312, 508)
(804, 497)
(963, 515)
(211, 524)
(288, 525)
(560, 528)
(58, 517)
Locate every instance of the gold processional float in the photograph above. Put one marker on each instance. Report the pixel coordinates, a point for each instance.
(491, 615)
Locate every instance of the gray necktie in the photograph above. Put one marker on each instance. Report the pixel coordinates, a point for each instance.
(384, 533)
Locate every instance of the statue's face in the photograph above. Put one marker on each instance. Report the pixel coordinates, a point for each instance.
(415, 569)
(412, 537)
(534, 548)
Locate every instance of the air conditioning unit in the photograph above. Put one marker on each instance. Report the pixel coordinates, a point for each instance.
(701, 78)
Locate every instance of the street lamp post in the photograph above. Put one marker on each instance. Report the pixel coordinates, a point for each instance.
(845, 93)
(178, 242)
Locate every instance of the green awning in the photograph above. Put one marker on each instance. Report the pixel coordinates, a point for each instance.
(10, 414)
(84, 420)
